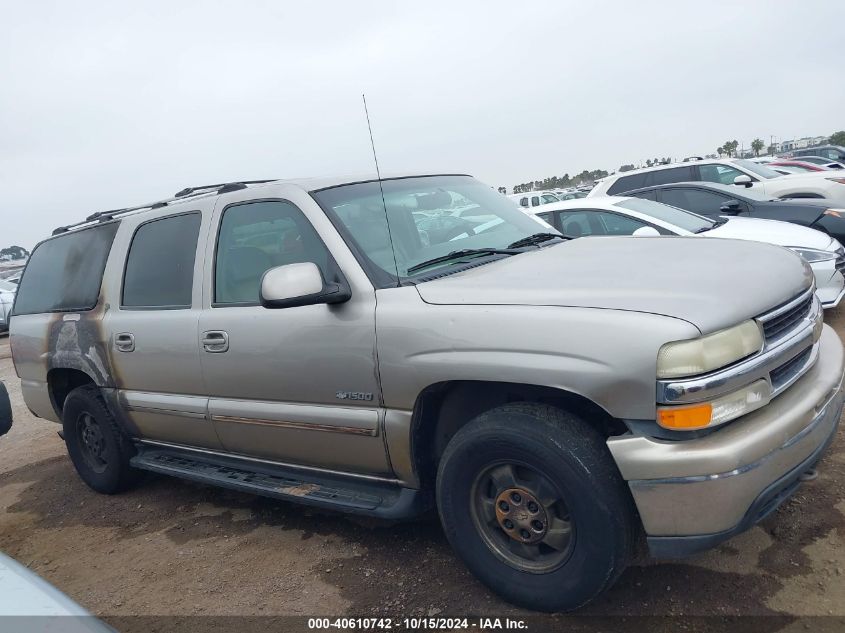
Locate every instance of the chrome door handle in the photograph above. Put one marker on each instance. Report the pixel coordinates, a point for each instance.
(124, 342)
(215, 341)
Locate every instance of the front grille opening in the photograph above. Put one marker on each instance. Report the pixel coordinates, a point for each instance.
(783, 374)
(782, 323)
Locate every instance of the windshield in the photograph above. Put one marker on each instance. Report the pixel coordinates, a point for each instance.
(427, 217)
(757, 168)
(672, 215)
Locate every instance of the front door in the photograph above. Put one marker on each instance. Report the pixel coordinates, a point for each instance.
(152, 332)
(296, 385)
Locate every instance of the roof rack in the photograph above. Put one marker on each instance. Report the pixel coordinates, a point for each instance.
(187, 192)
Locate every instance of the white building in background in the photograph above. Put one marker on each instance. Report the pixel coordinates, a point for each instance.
(801, 143)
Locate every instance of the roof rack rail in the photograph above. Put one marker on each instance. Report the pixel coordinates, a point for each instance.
(105, 216)
(221, 185)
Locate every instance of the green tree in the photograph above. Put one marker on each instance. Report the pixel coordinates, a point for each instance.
(757, 145)
(627, 167)
(772, 149)
(503, 190)
(720, 150)
(837, 138)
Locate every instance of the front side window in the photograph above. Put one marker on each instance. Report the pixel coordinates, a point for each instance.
(756, 168)
(257, 236)
(695, 200)
(393, 236)
(160, 264)
(548, 199)
(723, 174)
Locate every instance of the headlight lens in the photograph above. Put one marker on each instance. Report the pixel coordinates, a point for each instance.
(813, 255)
(701, 355)
(709, 414)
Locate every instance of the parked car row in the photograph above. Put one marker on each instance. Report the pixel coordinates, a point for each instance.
(538, 198)
(388, 346)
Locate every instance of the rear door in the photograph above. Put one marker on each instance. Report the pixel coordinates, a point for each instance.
(152, 332)
(299, 384)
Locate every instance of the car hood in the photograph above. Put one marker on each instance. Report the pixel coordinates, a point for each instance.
(772, 232)
(710, 283)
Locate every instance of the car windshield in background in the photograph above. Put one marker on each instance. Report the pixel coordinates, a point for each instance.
(421, 219)
(757, 168)
(673, 215)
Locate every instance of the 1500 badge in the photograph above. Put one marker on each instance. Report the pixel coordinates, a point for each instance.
(353, 395)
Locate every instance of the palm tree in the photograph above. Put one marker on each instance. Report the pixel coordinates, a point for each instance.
(757, 145)
(720, 150)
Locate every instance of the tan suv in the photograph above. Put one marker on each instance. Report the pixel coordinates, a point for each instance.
(328, 342)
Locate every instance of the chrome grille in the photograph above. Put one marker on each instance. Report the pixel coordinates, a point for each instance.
(783, 375)
(786, 318)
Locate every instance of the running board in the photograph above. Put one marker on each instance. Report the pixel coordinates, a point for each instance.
(371, 498)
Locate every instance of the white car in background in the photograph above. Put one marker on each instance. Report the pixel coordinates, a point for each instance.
(612, 215)
(731, 171)
(533, 199)
(7, 298)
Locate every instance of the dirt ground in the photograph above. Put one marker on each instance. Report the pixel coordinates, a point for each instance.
(172, 548)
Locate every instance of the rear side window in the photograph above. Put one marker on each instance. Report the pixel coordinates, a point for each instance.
(627, 183)
(669, 176)
(160, 265)
(64, 273)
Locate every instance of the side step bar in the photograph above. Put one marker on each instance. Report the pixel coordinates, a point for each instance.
(377, 499)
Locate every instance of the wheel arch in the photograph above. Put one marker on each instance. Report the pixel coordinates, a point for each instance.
(442, 408)
(61, 381)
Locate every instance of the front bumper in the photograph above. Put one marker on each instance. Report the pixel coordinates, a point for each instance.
(695, 493)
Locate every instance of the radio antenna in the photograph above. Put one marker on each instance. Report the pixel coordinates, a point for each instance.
(381, 188)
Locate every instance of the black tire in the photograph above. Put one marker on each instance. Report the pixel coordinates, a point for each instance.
(98, 447)
(546, 446)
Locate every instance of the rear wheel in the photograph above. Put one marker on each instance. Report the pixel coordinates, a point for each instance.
(98, 447)
(532, 502)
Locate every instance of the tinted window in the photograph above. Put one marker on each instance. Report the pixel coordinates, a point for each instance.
(583, 223)
(695, 200)
(64, 273)
(535, 201)
(160, 264)
(523, 202)
(719, 173)
(627, 183)
(257, 236)
(668, 176)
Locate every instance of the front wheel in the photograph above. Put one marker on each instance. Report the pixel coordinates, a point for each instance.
(531, 500)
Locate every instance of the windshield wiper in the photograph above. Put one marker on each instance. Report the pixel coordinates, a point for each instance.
(537, 238)
(716, 224)
(465, 252)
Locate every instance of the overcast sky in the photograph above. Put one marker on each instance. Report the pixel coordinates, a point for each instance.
(109, 104)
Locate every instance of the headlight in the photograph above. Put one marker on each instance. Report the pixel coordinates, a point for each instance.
(709, 414)
(700, 355)
(813, 255)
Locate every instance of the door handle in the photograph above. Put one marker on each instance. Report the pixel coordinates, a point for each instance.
(215, 341)
(124, 342)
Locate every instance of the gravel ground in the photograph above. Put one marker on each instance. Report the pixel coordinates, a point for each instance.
(172, 548)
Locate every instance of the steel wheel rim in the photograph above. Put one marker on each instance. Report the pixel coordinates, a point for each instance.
(522, 517)
(92, 443)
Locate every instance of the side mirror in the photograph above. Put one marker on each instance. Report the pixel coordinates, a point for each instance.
(646, 231)
(301, 284)
(731, 207)
(743, 180)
